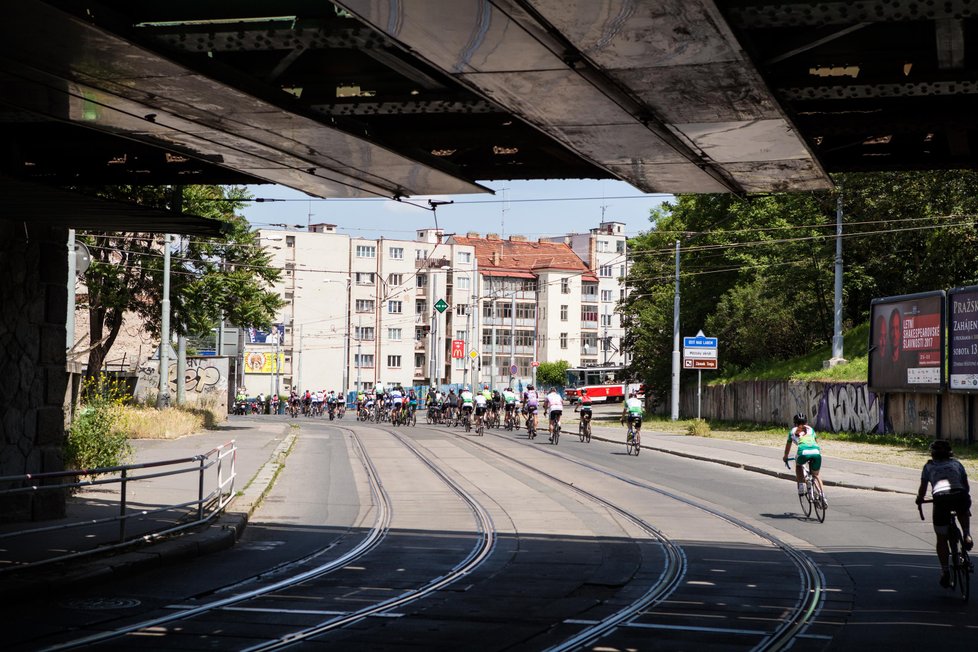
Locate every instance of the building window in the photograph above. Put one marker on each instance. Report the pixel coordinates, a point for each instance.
(606, 320)
(394, 307)
(528, 285)
(589, 343)
(589, 312)
(422, 280)
(589, 291)
(364, 332)
(364, 278)
(365, 305)
(620, 246)
(420, 307)
(394, 361)
(395, 279)
(565, 286)
(397, 253)
(460, 335)
(420, 332)
(487, 310)
(621, 271)
(487, 338)
(602, 246)
(504, 310)
(366, 251)
(605, 271)
(524, 338)
(563, 340)
(461, 364)
(363, 360)
(464, 257)
(393, 333)
(526, 311)
(462, 309)
(290, 241)
(504, 338)
(563, 313)
(461, 282)
(419, 360)
(420, 254)
(607, 295)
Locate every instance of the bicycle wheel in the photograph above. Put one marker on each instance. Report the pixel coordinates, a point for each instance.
(962, 577)
(806, 500)
(556, 433)
(581, 432)
(818, 500)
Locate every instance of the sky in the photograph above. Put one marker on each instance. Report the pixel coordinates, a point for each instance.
(531, 208)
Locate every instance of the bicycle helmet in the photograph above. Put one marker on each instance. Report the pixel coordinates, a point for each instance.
(800, 419)
(940, 449)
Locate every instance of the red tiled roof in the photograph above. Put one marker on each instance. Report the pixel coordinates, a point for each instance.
(517, 255)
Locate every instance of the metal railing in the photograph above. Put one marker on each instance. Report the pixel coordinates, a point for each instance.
(192, 512)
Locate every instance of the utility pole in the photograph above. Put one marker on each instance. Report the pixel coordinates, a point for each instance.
(837, 338)
(675, 344)
(163, 397)
(512, 339)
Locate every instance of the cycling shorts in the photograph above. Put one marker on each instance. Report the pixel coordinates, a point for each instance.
(480, 410)
(555, 414)
(510, 406)
(530, 409)
(813, 460)
(466, 407)
(945, 503)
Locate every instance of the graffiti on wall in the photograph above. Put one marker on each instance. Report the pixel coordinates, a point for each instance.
(204, 376)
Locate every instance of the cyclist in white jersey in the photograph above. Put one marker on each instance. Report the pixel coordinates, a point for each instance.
(555, 408)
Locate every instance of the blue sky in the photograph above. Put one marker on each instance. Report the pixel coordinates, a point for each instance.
(531, 208)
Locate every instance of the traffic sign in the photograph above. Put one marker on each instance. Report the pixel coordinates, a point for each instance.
(692, 352)
(534, 364)
(700, 341)
(441, 306)
(458, 349)
(513, 369)
(473, 354)
(696, 363)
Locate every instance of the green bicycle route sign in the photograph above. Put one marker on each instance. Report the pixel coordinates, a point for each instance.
(441, 306)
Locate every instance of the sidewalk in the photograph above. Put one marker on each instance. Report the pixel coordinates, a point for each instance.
(763, 459)
(261, 443)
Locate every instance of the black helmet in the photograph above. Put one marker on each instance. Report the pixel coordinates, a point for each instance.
(800, 419)
(941, 449)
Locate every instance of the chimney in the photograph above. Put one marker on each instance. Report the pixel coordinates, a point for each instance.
(495, 258)
(492, 236)
(517, 238)
(472, 234)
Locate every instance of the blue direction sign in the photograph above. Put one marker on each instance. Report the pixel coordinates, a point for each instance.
(700, 341)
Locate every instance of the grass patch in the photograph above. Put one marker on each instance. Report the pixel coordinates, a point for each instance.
(809, 367)
(169, 423)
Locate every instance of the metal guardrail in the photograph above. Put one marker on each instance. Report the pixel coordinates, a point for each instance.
(200, 510)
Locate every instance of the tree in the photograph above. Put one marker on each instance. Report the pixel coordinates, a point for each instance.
(208, 277)
(552, 373)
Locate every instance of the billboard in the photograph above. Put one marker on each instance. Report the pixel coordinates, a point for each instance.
(263, 362)
(962, 333)
(274, 336)
(906, 343)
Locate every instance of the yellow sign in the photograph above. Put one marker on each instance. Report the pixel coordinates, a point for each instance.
(263, 362)
(473, 354)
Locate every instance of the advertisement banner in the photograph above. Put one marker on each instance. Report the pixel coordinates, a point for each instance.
(274, 336)
(262, 362)
(906, 336)
(962, 333)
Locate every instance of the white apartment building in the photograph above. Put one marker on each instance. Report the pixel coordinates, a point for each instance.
(361, 311)
(604, 250)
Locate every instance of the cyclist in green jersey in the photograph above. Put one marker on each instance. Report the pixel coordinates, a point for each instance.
(803, 436)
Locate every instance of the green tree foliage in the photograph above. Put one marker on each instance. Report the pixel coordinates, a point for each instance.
(758, 272)
(93, 440)
(230, 275)
(552, 373)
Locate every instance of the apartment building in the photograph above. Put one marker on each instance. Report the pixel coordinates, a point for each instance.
(604, 250)
(458, 309)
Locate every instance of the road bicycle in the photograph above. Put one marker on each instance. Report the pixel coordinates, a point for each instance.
(480, 425)
(531, 425)
(959, 563)
(467, 417)
(584, 429)
(633, 440)
(555, 432)
(814, 496)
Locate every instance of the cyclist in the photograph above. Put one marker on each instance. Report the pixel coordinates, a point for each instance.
(466, 398)
(509, 397)
(584, 406)
(633, 411)
(331, 404)
(530, 400)
(949, 487)
(555, 408)
(451, 401)
(803, 436)
(480, 407)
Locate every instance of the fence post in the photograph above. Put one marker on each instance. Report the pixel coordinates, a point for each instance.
(200, 490)
(122, 506)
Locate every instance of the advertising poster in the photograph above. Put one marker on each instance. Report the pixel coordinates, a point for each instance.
(962, 333)
(262, 362)
(906, 345)
(274, 336)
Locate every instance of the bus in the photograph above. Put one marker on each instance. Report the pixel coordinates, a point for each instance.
(601, 383)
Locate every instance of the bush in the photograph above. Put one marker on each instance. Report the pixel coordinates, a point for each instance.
(93, 439)
(698, 428)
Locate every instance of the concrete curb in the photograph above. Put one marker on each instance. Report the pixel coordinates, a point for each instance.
(218, 535)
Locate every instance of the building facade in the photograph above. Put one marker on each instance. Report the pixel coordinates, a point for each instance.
(466, 309)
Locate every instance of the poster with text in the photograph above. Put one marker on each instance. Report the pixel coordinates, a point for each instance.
(962, 333)
(906, 343)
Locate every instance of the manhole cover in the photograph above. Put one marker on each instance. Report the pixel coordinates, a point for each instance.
(101, 604)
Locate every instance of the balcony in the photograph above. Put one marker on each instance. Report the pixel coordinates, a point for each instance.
(589, 325)
(432, 263)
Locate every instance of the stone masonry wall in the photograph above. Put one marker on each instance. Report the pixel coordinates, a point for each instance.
(33, 380)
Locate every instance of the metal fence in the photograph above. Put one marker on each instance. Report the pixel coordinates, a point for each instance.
(196, 505)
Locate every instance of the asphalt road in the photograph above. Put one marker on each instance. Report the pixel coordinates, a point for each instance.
(434, 539)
